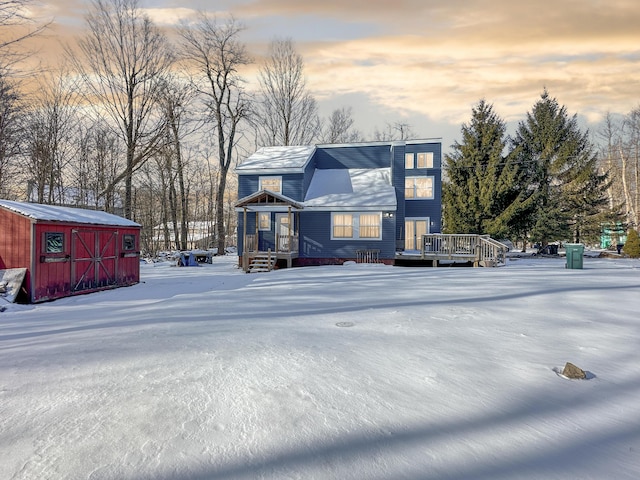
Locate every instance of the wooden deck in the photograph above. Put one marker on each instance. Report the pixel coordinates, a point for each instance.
(478, 250)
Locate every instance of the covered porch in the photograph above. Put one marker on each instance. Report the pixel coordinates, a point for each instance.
(270, 230)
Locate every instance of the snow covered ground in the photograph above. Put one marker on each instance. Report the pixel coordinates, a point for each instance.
(337, 372)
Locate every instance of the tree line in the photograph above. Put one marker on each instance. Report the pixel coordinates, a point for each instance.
(145, 125)
(548, 182)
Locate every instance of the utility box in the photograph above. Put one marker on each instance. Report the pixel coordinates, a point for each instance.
(575, 254)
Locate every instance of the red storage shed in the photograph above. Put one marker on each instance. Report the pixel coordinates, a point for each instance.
(67, 251)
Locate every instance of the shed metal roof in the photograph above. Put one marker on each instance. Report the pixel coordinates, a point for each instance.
(54, 213)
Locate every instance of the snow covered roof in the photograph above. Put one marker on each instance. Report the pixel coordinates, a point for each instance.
(365, 189)
(269, 160)
(38, 211)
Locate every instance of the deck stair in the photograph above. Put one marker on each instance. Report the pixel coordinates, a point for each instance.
(262, 262)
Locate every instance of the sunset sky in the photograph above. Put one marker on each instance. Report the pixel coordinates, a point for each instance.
(427, 62)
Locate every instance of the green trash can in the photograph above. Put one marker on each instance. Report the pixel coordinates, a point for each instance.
(575, 253)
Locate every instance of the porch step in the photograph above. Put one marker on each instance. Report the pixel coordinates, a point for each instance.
(262, 263)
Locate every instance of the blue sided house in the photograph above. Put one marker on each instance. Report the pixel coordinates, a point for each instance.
(327, 204)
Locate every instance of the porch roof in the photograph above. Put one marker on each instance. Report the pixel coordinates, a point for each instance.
(267, 200)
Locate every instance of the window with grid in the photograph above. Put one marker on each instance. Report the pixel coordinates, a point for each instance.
(273, 184)
(418, 188)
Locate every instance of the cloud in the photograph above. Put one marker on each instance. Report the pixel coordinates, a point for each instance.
(169, 16)
(586, 53)
(435, 58)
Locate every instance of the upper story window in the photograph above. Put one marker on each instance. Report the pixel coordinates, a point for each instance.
(418, 188)
(273, 184)
(418, 160)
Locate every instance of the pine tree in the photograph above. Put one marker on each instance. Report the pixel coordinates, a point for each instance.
(569, 193)
(483, 190)
(632, 245)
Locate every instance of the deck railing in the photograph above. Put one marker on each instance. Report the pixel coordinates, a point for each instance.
(284, 243)
(492, 251)
(250, 243)
(287, 243)
(480, 249)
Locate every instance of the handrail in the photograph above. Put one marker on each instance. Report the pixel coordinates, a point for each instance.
(287, 243)
(470, 247)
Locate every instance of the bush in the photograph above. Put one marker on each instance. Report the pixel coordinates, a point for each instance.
(632, 245)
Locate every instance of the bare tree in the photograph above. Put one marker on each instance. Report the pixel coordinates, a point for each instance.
(9, 135)
(175, 99)
(124, 59)
(629, 150)
(609, 134)
(97, 165)
(288, 113)
(394, 131)
(214, 51)
(15, 27)
(50, 122)
(339, 128)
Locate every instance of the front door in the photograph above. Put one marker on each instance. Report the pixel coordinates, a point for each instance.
(283, 231)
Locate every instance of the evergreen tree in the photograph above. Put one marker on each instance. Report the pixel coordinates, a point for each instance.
(632, 245)
(483, 192)
(569, 192)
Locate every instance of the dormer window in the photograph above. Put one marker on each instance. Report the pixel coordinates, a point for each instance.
(273, 184)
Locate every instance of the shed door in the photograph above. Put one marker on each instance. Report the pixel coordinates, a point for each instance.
(93, 259)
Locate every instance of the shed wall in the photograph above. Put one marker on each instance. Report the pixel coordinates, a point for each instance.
(15, 240)
(92, 259)
(15, 243)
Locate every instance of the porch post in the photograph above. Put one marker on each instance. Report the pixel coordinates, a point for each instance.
(257, 229)
(245, 263)
(290, 227)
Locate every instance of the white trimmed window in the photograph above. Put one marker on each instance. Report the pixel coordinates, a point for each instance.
(418, 160)
(409, 160)
(356, 226)
(264, 221)
(418, 188)
(424, 160)
(273, 184)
